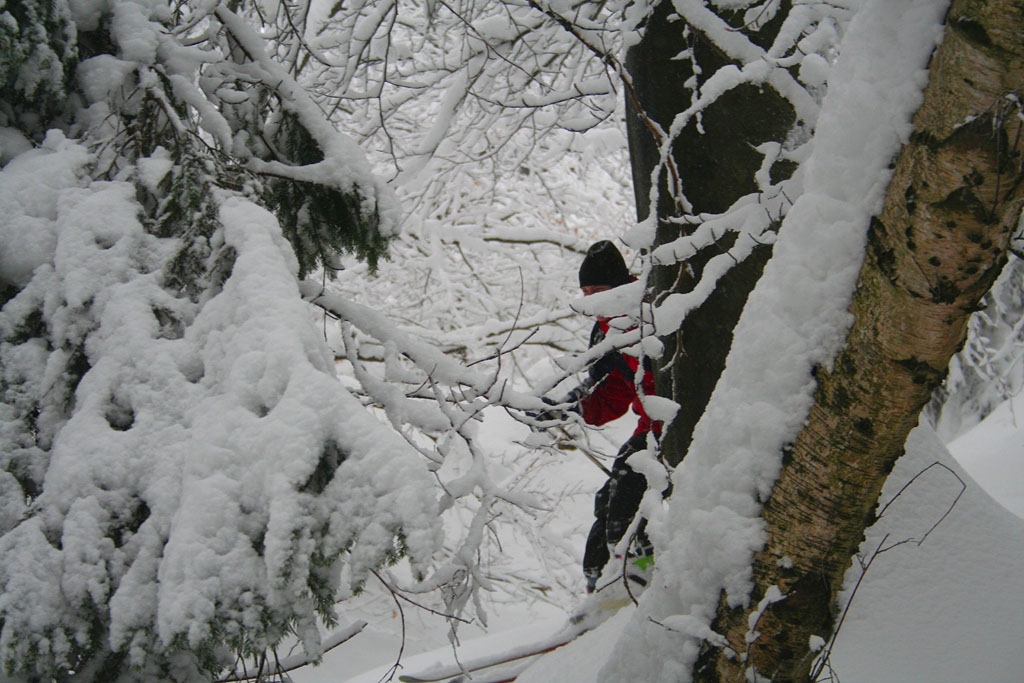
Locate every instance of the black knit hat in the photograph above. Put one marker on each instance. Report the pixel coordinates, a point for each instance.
(603, 265)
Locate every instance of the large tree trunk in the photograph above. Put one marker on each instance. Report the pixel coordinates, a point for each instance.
(716, 165)
(936, 248)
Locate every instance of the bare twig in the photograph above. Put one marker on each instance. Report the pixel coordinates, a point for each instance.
(865, 565)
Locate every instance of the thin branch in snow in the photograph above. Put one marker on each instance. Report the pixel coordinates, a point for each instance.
(956, 499)
(865, 564)
(290, 663)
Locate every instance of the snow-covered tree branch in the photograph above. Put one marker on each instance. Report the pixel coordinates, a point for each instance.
(186, 481)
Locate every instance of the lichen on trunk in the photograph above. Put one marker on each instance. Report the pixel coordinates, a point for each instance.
(937, 246)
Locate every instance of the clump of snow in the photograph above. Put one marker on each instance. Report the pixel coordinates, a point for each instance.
(29, 187)
(137, 37)
(814, 70)
(12, 143)
(102, 75)
(87, 13)
(153, 169)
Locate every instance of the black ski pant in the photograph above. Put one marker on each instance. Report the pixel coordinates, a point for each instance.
(614, 507)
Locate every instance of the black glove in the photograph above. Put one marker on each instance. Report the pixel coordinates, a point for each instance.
(547, 415)
(574, 397)
(604, 365)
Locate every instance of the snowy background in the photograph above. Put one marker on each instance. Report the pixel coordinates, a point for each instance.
(174, 444)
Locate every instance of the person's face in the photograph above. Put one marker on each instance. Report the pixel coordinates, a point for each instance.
(594, 289)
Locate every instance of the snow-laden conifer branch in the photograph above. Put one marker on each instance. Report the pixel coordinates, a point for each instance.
(191, 476)
(258, 671)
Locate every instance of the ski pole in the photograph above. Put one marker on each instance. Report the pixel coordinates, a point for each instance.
(590, 456)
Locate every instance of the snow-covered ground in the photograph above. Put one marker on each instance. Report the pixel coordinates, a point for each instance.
(993, 454)
(950, 608)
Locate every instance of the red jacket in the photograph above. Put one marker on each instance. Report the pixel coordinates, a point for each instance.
(613, 396)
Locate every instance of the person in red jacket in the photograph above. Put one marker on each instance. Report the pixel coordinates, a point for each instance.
(611, 390)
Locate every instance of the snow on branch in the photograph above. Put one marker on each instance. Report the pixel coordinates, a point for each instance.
(434, 364)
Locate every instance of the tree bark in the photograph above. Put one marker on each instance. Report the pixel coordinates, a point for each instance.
(716, 164)
(937, 246)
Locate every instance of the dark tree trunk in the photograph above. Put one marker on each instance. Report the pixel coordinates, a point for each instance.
(716, 167)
